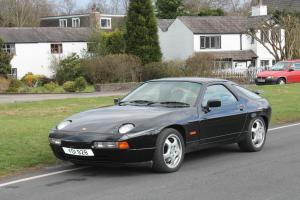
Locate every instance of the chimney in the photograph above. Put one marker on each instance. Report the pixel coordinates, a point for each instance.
(259, 10)
(95, 17)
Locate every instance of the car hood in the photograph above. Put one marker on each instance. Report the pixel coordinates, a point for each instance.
(108, 120)
(270, 73)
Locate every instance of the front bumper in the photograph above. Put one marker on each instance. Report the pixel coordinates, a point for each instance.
(104, 155)
(141, 148)
(265, 81)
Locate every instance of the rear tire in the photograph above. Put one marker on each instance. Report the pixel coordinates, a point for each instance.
(281, 81)
(169, 153)
(256, 136)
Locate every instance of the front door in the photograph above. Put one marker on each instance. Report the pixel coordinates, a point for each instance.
(294, 76)
(222, 123)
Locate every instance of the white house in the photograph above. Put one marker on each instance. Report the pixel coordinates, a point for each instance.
(34, 49)
(223, 36)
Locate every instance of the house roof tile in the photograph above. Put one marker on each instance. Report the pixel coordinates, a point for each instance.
(234, 55)
(44, 34)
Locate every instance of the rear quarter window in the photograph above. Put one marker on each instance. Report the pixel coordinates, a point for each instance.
(247, 92)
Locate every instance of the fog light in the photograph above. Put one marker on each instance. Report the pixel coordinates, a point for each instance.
(55, 141)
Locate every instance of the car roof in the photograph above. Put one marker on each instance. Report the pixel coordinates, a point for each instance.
(191, 79)
(295, 60)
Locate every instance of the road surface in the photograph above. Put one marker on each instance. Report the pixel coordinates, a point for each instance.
(214, 174)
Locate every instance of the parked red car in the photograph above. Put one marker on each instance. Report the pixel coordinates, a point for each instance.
(281, 73)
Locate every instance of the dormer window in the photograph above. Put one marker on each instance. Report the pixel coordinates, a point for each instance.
(63, 23)
(75, 22)
(105, 23)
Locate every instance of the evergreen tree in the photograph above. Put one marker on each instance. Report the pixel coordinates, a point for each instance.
(168, 9)
(5, 58)
(141, 32)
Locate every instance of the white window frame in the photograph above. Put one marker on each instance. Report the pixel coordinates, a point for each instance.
(210, 38)
(63, 23)
(59, 48)
(108, 19)
(74, 23)
(9, 48)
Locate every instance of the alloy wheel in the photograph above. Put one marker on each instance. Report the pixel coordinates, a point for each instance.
(172, 152)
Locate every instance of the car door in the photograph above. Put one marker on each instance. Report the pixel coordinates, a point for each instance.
(221, 123)
(295, 74)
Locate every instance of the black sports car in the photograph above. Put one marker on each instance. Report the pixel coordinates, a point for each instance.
(162, 120)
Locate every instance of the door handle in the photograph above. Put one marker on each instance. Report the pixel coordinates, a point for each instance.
(242, 107)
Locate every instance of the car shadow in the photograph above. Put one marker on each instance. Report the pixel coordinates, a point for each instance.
(142, 169)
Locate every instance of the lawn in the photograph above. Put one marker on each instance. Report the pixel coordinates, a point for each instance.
(24, 127)
(285, 102)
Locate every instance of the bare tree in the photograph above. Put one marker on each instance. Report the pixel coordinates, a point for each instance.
(24, 12)
(110, 6)
(67, 6)
(269, 33)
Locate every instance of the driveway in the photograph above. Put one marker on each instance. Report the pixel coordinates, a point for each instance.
(223, 173)
(13, 98)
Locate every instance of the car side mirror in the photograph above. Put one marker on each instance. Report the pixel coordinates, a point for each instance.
(211, 104)
(116, 101)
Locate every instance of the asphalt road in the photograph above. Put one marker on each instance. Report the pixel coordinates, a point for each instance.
(214, 174)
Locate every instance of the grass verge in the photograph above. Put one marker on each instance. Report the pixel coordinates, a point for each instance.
(24, 129)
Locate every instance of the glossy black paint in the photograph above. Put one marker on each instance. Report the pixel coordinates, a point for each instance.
(199, 128)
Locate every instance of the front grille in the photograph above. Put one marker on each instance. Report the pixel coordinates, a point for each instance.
(76, 145)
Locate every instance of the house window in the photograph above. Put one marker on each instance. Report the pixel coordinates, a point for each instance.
(75, 22)
(63, 23)
(105, 23)
(263, 37)
(264, 64)
(210, 42)
(9, 48)
(56, 49)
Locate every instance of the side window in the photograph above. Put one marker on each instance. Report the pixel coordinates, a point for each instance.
(219, 92)
(297, 67)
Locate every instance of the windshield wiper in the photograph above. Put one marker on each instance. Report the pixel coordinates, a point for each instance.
(174, 103)
(137, 102)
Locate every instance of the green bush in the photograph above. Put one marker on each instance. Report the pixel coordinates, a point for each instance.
(162, 69)
(5, 58)
(200, 64)
(105, 43)
(80, 83)
(69, 86)
(68, 69)
(112, 68)
(51, 86)
(14, 85)
(42, 80)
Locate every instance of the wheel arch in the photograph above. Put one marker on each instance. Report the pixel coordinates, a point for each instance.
(282, 77)
(179, 128)
(266, 120)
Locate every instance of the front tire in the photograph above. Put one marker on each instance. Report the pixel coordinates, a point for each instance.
(256, 136)
(170, 150)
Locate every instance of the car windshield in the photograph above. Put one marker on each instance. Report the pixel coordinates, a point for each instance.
(164, 93)
(280, 66)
